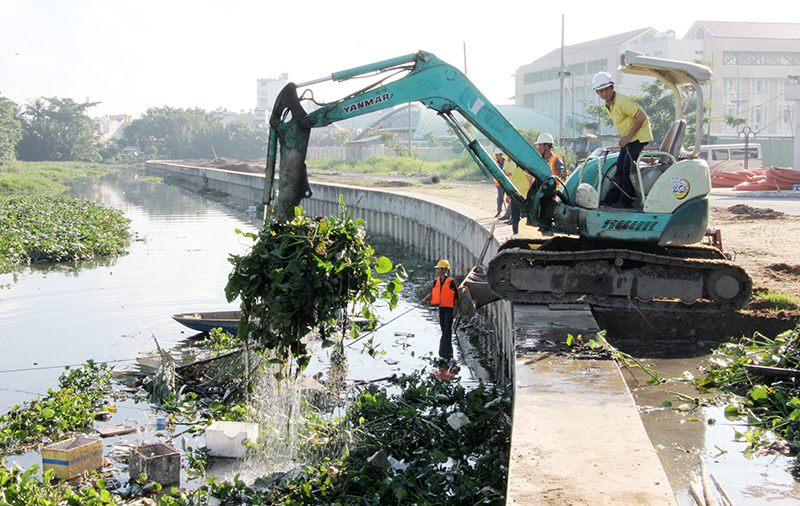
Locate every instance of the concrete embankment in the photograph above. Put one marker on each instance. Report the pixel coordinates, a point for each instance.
(577, 437)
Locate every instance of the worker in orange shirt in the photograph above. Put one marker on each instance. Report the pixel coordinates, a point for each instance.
(445, 295)
(544, 144)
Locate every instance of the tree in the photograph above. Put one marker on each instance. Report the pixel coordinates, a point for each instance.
(431, 139)
(244, 141)
(530, 134)
(735, 121)
(390, 140)
(342, 136)
(177, 133)
(57, 129)
(10, 130)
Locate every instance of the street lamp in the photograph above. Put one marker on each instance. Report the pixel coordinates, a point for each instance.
(746, 132)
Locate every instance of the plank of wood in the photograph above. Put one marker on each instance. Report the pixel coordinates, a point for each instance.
(117, 430)
(772, 371)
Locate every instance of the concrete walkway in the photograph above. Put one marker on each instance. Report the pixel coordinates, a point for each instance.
(577, 438)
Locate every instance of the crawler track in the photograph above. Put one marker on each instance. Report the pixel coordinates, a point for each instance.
(667, 279)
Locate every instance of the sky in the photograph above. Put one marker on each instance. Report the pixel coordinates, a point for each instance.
(131, 55)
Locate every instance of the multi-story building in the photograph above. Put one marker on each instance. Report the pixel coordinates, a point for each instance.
(266, 92)
(111, 127)
(751, 62)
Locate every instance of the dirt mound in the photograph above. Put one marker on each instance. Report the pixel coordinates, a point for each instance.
(393, 184)
(785, 268)
(752, 213)
(225, 164)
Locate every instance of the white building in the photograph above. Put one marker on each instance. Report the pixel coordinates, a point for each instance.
(266, 93)
(751, 62)
(111, 127)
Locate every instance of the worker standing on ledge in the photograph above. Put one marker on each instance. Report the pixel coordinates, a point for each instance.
(445, 295)
(634, 126)
(500, 160)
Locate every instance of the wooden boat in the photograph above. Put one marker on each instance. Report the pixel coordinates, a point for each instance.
(204, 322)
(228, 320)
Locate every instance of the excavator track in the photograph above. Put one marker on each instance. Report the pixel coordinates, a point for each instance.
(665, 279)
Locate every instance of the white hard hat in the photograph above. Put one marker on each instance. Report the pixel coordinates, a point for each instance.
(545, 139)
(602, 80)
(498, 151)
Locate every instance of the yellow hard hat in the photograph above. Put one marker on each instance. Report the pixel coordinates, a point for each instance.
(443, 264)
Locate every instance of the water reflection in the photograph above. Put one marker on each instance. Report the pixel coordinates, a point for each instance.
(113, 309)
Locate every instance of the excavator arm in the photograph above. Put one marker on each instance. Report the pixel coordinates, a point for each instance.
(425, 79)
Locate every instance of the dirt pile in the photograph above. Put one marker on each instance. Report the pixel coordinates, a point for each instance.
(763, 241)
(226, 164)
(753, 213)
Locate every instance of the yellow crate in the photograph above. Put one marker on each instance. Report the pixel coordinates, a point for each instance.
(72, 457)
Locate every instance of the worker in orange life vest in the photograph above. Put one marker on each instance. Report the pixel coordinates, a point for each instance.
(445, 295)
(544, 144)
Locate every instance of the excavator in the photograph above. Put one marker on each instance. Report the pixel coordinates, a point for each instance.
(650, 256)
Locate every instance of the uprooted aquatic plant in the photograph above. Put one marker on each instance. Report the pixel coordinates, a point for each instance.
(761, 375)
(301, 276)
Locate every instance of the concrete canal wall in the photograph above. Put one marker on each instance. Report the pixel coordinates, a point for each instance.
(432, 228)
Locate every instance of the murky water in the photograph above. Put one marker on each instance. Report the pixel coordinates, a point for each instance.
(683, 437)
(57, 315)
(52, 316)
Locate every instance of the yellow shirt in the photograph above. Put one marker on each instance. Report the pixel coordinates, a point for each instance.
(519, 178)
(623, 114)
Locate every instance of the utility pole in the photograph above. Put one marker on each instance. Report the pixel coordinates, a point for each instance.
(561, 95)
(465, 57)
(410, 131)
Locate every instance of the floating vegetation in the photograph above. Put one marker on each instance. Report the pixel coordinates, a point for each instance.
(762, 375)
(47, 228)
(73, 406)
(433, 442)
(50, 176)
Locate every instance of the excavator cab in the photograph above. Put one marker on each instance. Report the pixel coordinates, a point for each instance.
(664, 178)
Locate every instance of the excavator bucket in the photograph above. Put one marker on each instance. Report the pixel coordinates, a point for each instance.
(478, 289)
(288, 135)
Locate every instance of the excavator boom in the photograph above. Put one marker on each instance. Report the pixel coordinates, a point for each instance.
(428, 80)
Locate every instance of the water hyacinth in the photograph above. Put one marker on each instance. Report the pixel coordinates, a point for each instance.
(760, 373)
(48, 228)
